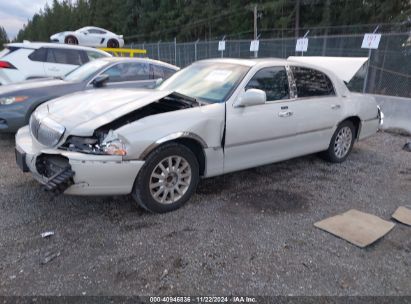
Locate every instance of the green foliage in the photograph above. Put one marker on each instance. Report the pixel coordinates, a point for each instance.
(3, 37)
(189, 20)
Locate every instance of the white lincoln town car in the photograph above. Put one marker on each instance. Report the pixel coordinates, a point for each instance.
(213, 117)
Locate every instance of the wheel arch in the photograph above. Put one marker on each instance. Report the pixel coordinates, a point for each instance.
(356, 122)
(190, 140)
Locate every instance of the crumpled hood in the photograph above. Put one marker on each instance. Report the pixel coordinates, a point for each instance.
(11, 89)
(81, 113)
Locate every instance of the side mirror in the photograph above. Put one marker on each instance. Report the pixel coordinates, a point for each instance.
(251, 97)
(100, 80)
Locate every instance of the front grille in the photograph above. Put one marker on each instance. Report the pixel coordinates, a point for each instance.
(46, 131)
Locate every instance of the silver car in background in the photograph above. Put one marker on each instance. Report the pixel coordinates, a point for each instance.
(213, 117)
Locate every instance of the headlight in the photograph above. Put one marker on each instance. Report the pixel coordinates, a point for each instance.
(12, 99)
(108, 144)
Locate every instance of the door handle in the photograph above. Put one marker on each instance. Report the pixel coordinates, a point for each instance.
(285, 114)
(335, 107)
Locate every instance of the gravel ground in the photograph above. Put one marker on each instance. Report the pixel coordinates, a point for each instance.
(247, 233)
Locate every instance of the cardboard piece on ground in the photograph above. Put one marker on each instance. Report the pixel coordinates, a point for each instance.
(403, 215)
(359, 228)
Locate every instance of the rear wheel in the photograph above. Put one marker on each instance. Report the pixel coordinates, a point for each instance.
(71, 40)
(341, 143)
(113, 43)
(168, 178)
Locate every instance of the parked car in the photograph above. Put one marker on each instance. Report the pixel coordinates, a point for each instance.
(30, 60)
(90, 36)
(18, 101)
(211, 118)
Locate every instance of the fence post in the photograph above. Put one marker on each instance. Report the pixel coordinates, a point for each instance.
(158, 49)
(175, 50)
(195, 49)
(364, 89)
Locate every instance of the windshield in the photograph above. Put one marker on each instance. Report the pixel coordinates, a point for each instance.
(208, 81)
(85, 71)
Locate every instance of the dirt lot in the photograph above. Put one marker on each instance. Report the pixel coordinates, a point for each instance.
(248, 233)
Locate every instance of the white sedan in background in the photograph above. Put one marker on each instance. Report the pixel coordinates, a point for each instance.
(90, 36)
(213, 117)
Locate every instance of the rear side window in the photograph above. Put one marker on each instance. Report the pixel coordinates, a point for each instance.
(38, 55)
(128, 72)
(64, 56)
(273, 81)
(311, 82)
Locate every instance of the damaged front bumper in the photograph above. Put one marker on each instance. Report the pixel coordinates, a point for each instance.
(73, 172)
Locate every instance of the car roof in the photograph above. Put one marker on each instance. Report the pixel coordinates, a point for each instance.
(37, 45)
(147, 60)
(247, 62)
(93, 28)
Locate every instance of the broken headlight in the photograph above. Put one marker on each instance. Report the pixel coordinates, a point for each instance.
(103, 144)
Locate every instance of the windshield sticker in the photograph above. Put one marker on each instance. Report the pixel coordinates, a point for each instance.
(218, 75)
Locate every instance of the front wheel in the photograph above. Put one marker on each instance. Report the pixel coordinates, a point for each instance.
(168, 178)
(341, 143)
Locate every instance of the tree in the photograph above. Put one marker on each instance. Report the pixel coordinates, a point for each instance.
(3, 37)
(189, 20)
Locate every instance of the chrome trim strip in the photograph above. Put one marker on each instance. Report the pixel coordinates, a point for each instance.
(371, 119)
(171, 137)
(278, 137)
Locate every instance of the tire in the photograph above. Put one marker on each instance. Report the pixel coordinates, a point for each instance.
(155, 188)
(341, 143)
(71, 40)
(113, 44)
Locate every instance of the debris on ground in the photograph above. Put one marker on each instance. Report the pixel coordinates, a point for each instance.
(407, 147)
(403, 215)
(50, 256)
(165, 273)
(47, 234)
(358, 228)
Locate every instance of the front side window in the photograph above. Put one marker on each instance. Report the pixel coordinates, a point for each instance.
(62, 56)
(128, 72)
(85, 71)
(95, 31)
(161, 72)
(273, 81)
(311, 82)
(94, 55)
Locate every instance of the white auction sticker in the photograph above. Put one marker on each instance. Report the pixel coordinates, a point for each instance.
(221, 45)
(371, 41)
(254, 46)
(218, 75)
(301, 45)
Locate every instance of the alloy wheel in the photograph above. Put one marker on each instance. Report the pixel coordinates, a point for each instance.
(170, 179)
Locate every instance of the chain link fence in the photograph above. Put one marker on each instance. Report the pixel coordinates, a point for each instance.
(389, 66)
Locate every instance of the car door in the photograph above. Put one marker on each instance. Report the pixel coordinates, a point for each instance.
(96, 37)
(261, 134)
(129, 75)
(317, 108)
(36, 67)
(60, 61)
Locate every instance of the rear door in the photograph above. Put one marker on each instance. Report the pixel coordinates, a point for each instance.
(60, 61)
(317, 108)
